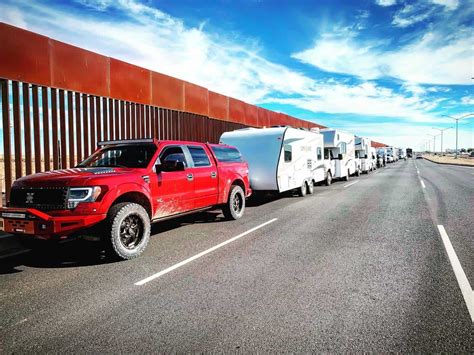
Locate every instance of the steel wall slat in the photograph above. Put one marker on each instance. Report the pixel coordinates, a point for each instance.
(36, 129)
(6, 138)
(128, 124)
(79, 133)
(27, 127)
(45, 105)
(70, 117)
(54, 126)
(98, 119)
(85, 125)
(116, 119)
(111, 119)
(92, 123)
(17, 128)
(62, 125)
(122, 120)
(105, 119)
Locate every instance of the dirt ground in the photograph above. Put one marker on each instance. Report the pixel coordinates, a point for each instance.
(449, 159)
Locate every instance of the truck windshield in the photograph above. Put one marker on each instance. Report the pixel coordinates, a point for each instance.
(121, 156)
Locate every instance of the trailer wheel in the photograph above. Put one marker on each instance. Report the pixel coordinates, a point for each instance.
(346, 178)
(310, 187)
(235, 206)
(302, 190)
(357, 173)
(328, 179)
(128, 229)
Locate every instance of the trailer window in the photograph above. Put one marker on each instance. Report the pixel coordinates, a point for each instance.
(227, 154)
(342, 148)
(288, 154)
(319, 152)
(199, 156)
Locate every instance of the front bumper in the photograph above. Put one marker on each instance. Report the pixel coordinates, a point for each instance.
(31, 221)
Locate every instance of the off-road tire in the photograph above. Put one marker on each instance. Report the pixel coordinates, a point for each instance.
(310, 187)
(328, 180)
(115, 219)
(230, 210)
(357, 173)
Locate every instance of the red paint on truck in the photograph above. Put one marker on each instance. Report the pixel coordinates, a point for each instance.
(113, 190)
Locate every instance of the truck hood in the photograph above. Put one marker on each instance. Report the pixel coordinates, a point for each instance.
(72, 177)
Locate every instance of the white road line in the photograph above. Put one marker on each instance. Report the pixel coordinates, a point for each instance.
(422, 184)
(352, 183)
(201, 254)
(463, 282)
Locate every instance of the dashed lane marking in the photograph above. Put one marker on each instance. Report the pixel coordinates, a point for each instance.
(463, 282)
(201, 254)
(352, 183)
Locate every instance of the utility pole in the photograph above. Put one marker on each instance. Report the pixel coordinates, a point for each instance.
(442, 130)
(457, 120)
(434, 141)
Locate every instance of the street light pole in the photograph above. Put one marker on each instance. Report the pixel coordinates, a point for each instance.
(434, 141)
(442, 130)
(457, 120)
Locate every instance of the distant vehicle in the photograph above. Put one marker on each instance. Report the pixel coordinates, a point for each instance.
(281, 158)
(471, 154)
(339, 148)
(364, 152)
(419, 156)
(402, 154)
(409, 153)
(390, 154)
(125, 186)
(381, 157)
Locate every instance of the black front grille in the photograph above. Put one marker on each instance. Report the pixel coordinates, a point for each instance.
(43, 199)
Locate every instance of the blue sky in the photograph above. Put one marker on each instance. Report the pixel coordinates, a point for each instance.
(386, 69)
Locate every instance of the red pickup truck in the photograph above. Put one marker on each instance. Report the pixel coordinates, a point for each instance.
(123, 187)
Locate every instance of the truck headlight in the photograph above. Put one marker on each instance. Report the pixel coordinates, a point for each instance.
(82, 194)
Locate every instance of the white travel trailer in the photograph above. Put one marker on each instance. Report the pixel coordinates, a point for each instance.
(389, 151)
(339, 147)
(381, 157)
(402, 153)
(373, 155)
(280, 158)
(363, 151)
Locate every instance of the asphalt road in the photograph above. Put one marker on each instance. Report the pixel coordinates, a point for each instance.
(358, 267)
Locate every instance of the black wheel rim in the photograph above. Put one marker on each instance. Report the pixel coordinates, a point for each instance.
(131, 231)
(237, 203)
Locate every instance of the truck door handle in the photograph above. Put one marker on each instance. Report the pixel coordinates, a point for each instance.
(213, 175)
(190, 177)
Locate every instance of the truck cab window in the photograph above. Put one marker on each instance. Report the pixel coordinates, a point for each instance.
(199, 156)
(288, 154)
(173, 153)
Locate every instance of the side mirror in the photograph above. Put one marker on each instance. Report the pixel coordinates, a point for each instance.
(340, 157)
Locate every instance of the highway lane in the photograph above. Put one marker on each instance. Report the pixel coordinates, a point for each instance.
(450, 197)
(355, 268)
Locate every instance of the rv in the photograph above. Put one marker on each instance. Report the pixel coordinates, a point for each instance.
(363, 152)
(339, 148)
(281, 158)
(389, 153)
(381, 157)
(402, 153)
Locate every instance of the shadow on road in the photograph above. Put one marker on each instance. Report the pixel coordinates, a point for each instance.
(79, 252)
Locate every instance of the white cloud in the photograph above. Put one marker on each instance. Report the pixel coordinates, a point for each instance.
(385, 2)
(13, 16)
(467, 100)
(430, 59)
(366, 99)
(449, 4)
(150, 38)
